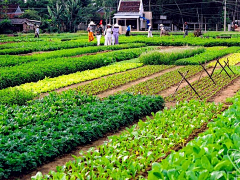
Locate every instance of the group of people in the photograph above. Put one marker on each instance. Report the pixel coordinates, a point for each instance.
(111, 33)
(162, 30)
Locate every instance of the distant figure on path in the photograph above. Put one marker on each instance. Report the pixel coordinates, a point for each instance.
(116, 33)
(37, 32)
(150, 30)
(185, 29)
(128, 30)
(162, 30)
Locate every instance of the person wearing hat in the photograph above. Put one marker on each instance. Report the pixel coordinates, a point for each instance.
(116, 33)
(161, 30)
(108, 35)
(150, 30)
(37, 32)
(185, 29)
(98, 34)
(90, 31)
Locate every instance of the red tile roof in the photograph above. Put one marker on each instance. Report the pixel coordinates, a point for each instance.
(129, 6)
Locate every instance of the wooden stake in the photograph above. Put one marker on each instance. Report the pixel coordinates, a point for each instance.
(223, 68)
(208, 74)
(180, 82)
(189, 84)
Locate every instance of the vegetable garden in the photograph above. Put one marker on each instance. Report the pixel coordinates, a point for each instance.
(149, 98)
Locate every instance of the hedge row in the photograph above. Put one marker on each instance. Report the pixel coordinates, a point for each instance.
(12, 60)
(158, 57)
(34, 71)
(28, 47)
(208, 55)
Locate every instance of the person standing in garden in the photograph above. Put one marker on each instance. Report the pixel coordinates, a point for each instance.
(108, 34)
(90, 31)
(37, 32)
(128, 30)
(116, 33)
(98, 34)
(185, 29)
(162, 30)
(150, 30)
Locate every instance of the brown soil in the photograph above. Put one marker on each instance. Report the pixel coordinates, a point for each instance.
(38, 52)
(7, 42)
(227, 92)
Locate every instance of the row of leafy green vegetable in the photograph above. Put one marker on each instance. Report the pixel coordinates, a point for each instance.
(12, 60)
(21, 94)
(131, 152)
(205, 87)
(158, 57)
(187, 57)
(155, 85)
(35, 71)
(50, 127)
(26, 47)
(180, 41)
(209, 55)
(213, 155)
(110, 82)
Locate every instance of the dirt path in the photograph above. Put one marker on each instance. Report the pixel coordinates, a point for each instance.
(227, 92)
(121, 88)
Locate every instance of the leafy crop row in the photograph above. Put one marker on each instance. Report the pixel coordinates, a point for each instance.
(213, 155)
(52, 126)
(210, 54)
(114, 81)
(233, 59)
(20, 94)
(155, 85)
(180, 41)
(35, 71)
(205, 88)
(27, 47)
(12, 60)
(130, 153)
(158, 57)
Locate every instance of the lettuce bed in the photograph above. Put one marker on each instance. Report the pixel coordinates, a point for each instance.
(50, 127)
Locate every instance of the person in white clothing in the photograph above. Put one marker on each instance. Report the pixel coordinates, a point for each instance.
(108, 34)
(150, 30)
(37, 32)
(98, 34)
(162, 30)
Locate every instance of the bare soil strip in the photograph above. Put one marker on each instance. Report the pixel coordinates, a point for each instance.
(121, 88)
(227, 92)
